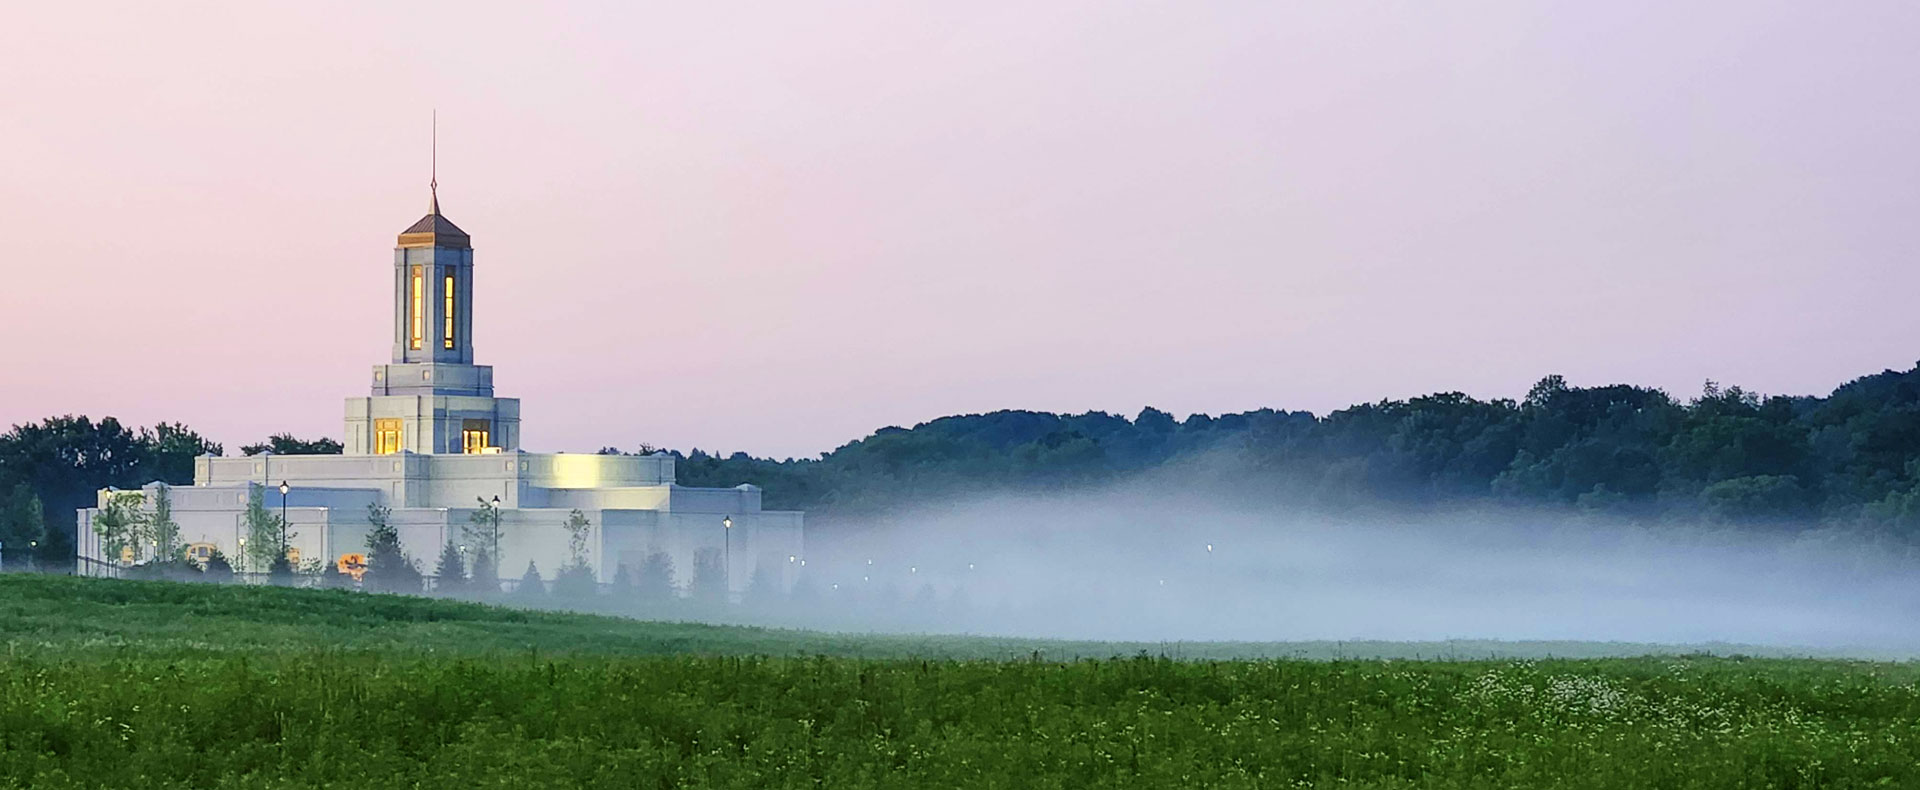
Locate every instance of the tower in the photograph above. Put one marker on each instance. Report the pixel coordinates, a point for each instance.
(433, 291)
(431, 398)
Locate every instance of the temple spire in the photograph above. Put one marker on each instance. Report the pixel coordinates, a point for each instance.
(433, 173)
(435, 230)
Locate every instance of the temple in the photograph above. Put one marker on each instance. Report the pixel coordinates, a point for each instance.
(434, 444)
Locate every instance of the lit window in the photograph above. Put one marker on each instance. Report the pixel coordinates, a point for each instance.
(449, 309)
(386, 437)
(419, 305)
(476, 436)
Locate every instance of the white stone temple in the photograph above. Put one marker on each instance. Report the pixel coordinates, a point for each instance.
(432, 442)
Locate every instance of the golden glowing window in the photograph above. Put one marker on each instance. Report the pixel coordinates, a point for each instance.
(419, 305)
(386, 437)
(476, 436)
(449, 309)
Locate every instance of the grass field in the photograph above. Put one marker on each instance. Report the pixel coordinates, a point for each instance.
(130, 684)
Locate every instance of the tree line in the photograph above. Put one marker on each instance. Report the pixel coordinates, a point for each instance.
(1727, 455)
(1849, 458)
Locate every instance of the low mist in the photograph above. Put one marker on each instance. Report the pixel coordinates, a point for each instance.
(1160, 559)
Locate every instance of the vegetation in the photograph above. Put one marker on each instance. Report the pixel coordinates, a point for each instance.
(1849, 459)
(482, 531)
(23, 524)
(286, 444)
(450, 574)
(576, 579)
(120, 684)
(389, 569)
(66, 461)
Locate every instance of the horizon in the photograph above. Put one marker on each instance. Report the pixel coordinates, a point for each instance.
(774, 232)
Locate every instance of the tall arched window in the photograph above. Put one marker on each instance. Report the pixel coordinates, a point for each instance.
(419, 306)
(448, 310)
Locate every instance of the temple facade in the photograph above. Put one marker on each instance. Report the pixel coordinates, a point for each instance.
(433, 443)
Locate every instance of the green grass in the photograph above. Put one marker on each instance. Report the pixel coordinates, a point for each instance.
(128, 684)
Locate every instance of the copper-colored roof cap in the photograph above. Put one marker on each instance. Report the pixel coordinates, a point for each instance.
(434, 230)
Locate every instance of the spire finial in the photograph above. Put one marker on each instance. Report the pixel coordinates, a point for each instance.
(433, 176)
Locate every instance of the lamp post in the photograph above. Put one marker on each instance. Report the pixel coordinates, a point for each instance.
(244, 565)
(726, 573)
(494, 511)
(284, 488)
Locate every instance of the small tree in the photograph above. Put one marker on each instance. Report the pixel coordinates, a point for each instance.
(161, 531)
(531, 587)
(763, 590)
(280, 571)
(217, 568)
(578, 530)
(334, 578)
(484, 581)
(655, 580)
(709, 575)
(450, 575)
(483, 531)
(266, 535)
(118, 525)
(576, 578)
(389, 569)
(22, 524)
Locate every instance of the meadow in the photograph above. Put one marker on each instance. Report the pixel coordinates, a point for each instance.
(150, 684)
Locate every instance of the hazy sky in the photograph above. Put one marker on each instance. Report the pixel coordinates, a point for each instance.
(774, 227)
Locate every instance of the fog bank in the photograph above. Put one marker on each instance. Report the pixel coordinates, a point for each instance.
(1154, 561)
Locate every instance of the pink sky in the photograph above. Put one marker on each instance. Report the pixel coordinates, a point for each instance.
(776, 227)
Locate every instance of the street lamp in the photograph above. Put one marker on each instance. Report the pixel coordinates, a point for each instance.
(284, 488)
(726, 530)
(495, 512)
(243, 555)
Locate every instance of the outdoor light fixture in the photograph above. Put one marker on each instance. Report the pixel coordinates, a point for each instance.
(284, 488)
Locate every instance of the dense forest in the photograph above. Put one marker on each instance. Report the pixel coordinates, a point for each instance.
(1726, 454)
(1849, 459)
